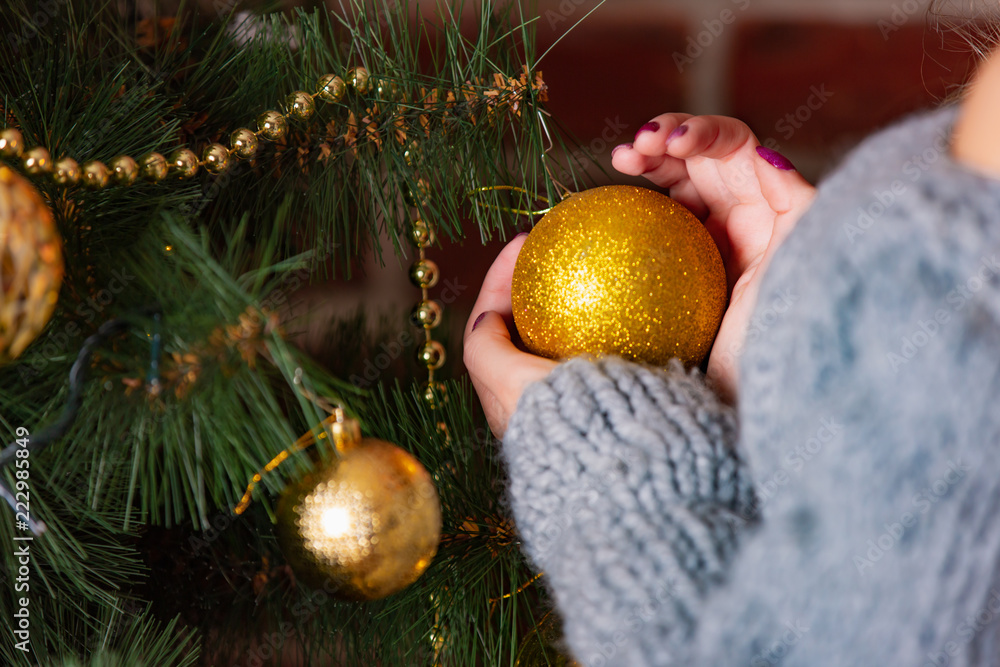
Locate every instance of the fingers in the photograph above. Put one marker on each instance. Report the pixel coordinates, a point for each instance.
(715, 137)
(646, 154)
(651, 139)
(495, 292)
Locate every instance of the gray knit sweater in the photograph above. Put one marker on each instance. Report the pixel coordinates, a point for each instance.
(853, 518)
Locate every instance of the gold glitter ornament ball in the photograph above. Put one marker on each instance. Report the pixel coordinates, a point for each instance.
(619, 270)
(364, 526)
(31, 264)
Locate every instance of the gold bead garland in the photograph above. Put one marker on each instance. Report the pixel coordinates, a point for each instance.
(427, 314)
(183, 163)
(506, 93)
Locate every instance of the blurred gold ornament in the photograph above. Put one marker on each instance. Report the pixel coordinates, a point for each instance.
(362, 526)
(331, 88)
(538, 648)
(215, 157)
(95, 175)
(31, 264)
(11, 143)
(272, 125)
(153, 167)
(37, 161)
(125, 170)
(424, 273)
(244, 143)
(66, 172)
(183, 163)
(619, 270)
(300, 105)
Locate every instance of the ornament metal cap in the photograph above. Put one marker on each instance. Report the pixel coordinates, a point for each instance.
(344, 432)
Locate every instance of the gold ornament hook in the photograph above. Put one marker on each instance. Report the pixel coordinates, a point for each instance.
(490, 188)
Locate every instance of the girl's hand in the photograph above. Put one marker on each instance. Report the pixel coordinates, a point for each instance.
(499, 370)
(748, 196)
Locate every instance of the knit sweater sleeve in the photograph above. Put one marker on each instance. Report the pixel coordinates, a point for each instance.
(627, 493)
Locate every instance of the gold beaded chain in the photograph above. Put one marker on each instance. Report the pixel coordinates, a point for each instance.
(427, 314)
(183, 163)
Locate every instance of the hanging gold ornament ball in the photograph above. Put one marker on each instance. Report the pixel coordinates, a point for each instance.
(364, 526)
(31, 264)
(619, 270)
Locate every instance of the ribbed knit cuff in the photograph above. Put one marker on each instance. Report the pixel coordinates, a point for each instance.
(627, 491)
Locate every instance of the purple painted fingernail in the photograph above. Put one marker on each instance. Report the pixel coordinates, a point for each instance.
(679, 131)
(615, 149)
(479, 319)
(776, 159)
(651, 126)
(521, 234)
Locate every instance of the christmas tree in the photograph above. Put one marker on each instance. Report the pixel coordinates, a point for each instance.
(170, 183)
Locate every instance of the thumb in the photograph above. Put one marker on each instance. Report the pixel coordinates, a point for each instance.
(785, 190)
